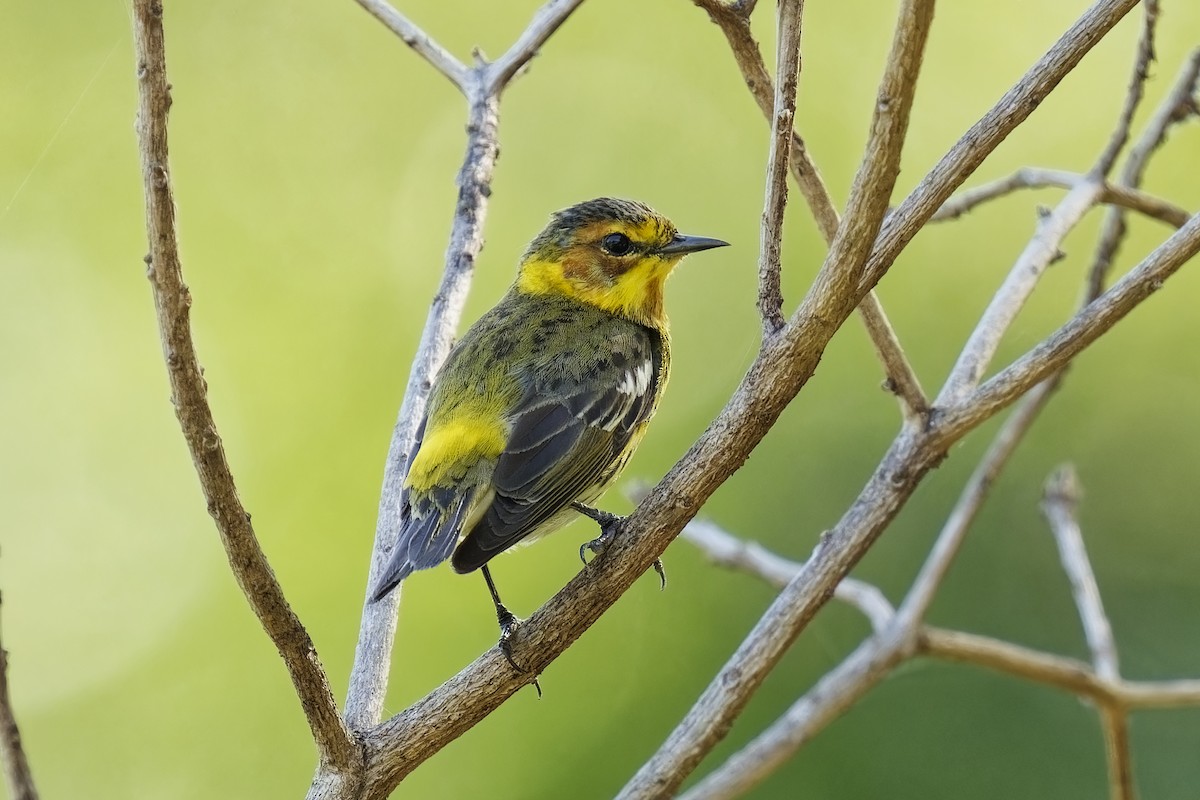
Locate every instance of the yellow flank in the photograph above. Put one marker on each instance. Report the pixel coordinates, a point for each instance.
(633, 294)
(452, 447)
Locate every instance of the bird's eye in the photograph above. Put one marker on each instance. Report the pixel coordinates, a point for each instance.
(617, 244)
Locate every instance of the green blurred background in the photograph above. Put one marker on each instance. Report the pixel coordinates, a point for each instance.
(314, 158)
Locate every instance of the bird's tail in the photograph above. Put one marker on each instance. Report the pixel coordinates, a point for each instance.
(428, 533)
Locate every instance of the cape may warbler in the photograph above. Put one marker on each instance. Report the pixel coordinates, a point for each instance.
(545, 398)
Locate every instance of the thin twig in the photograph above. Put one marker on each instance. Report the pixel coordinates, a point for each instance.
(546, 20)
(437, 56)
(770, 296)
(1077, 333)
(901, 379)
(1034, 178)
(876, 176)
(1137, 88)
(1060, 504)
(1118, 753)
(731, 552)
(1061, 672)
(833, 695)
(17, 774)
(172, 301)
(1179, 104)
(982, 138)
(1043, 249)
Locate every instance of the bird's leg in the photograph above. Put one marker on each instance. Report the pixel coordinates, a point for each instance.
(609, 525)
(508, 625)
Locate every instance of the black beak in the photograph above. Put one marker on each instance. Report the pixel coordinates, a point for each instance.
(681, 245)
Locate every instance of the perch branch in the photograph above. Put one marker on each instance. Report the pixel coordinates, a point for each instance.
(172, 301)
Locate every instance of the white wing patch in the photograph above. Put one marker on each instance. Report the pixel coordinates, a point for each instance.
(636, 381)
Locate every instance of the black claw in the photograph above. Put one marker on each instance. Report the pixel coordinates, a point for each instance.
(608, 529)
(508, 626)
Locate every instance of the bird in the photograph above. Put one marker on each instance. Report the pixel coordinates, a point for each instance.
(542, 402)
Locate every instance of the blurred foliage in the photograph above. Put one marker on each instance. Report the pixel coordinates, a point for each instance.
(314, 159)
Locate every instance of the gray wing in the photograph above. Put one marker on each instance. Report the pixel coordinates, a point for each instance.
(562, 444)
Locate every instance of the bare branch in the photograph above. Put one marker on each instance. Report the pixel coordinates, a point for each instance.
(369, 675)
(1081, 330)
(172, 300)
(968, 153)
(971, 500)
(901, 380)
(896, 633)
(777, 374)
(1064, 673)
(482, 85)
(727, 550)
(902, 467)
(1137, 88)
(437, 56)
(1118, 753)
(833, 695)
(770, 297)
(546, 20)
(17, 774)
(876, 177)
(1179, 104)
(1059, 505)
(712, 715)
(1033, 178)
(1041, 251)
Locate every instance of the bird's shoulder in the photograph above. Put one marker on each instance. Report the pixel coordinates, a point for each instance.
(554, 345)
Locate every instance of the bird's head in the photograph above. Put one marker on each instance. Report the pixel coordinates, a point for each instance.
(614, 254)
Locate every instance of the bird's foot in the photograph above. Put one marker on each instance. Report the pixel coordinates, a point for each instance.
(609, 525)
(508, 626)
